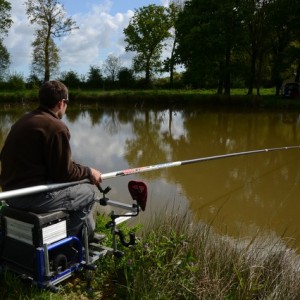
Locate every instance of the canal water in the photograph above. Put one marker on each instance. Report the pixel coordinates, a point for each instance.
(239, 196)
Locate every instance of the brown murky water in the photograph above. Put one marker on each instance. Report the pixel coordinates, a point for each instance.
(239, 196)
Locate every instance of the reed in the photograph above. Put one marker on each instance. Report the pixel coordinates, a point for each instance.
(178, 259)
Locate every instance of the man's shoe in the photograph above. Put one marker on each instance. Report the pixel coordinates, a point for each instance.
(97, 238)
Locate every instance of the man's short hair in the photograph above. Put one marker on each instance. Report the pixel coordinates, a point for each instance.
(51, 92)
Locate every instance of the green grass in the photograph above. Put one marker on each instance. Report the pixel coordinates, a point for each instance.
(163, 98)
(96, 95)
(175, 258)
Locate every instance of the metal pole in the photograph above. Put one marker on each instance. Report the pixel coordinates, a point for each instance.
(51, 187)
(38, 189)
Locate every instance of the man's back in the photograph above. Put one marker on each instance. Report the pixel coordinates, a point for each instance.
(26, 155)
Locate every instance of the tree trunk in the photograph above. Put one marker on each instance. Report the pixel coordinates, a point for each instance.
(147, 77)
(259, 73)
(252, 74)
(221, 80)
(227, 80)
(47, 60)
(172, 63)
(297, 76)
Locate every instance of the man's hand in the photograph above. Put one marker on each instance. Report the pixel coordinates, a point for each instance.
(95, 176)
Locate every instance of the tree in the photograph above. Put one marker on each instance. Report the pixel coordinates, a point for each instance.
(71, 79)
(44, 60)
(5, 23)
(111, 67)
(33, 82)
(50, 17)
(170, 62)
(145, 34)
(283, 34)
(208, 32)
(126, 78)
(15, 81)
(258, 32)
(94, 78)
(294, 47)
(285, 41)
(4, 59)
(5, 18)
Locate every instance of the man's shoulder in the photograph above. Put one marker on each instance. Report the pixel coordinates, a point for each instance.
(41, 119)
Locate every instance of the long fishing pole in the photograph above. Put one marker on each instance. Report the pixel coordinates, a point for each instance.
(126, 172)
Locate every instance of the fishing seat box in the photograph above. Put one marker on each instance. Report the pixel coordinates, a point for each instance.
(25, 233)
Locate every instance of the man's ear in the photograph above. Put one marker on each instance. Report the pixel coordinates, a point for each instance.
(60, 104)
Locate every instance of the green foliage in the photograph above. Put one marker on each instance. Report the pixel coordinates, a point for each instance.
(145, 34)
(15, 82)
(49, 16)
(45, 55)
(71, 79)
(33, 82)
(126, 78)
(208, 32)
(5, 23)
(5, 18)
(224, 42)
(4, 60)
(94, 78)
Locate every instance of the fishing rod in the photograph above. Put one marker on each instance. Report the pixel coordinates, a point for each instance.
(126, 172)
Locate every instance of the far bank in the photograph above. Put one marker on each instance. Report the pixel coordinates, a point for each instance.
(164, 98)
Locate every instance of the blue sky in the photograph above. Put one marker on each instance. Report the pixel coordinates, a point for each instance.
(119, 6)
(100, 33)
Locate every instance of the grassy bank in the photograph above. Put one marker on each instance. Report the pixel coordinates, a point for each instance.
(176, 259)
(164, 98)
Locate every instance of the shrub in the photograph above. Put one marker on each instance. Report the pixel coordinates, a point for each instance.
(15, 82)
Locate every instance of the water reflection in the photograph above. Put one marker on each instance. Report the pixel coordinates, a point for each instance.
(239, 196)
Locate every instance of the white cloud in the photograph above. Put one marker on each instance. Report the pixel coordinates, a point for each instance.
(100, 34)
(19, 39)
